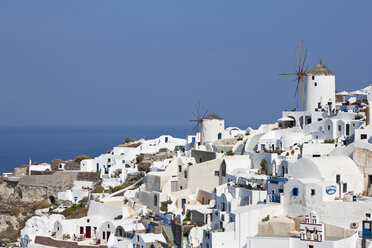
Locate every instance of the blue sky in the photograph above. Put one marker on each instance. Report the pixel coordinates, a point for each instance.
(142, 63)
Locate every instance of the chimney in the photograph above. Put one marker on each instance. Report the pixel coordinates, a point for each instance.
(29, 167)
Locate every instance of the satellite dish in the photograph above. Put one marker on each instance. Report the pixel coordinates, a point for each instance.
(212, 203)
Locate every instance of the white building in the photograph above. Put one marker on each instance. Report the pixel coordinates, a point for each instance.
(320, 88)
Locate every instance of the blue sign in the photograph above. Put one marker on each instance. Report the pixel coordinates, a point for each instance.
(330, 190)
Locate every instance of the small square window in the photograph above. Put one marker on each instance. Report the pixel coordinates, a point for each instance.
(295, 191)
(310, 246)
(312, 191)
(363, 136)
(216, 173)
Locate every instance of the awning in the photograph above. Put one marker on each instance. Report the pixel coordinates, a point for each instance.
(342, 93)
(357, 93)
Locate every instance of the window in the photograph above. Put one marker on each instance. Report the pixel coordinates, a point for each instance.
(219, 136)
(123, 161)
(185, 174)
(88, 220)
(180, 168)
(103, 235)
(310, 246)
(319, 119)
(295, 191)
(313, 77)
(108, 226)
(155, 200)
(344, 187)
(216, 173)
(338, 178)
(262, 147)
(339, 128)
(312, 191)
(329, 127)
(315, 84)
(363, 136)
(109, 160)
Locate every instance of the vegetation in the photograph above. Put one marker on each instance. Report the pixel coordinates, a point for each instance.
(75, 211)
(358, 117)
(129, 140)
(119, 217)
(1, 180)
(56, 162)
(329, 141)
(292, 152)
(134, 145)
(230, 153)
(247, 133)
(189, 163)
(79, 158)
(109, 151)
(188, 217)
(35, 163)
(10, 234)
(99, 189)
(267, 218)
(139, 158)
(164, 205)
(240, 138)
(16, 211)
(83, 200)
(40, 205)
(263, 166)
(66, 236)
(143, 167)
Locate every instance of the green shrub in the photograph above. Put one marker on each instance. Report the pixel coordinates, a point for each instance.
(263, 165)
(139, 158)
(230, 153)
(240, 138)
(119, 217)
(358, 117)
(247, 133)
(66, 237)
(164, 205)
(83, 201)
(99, 189)
(143, 167)
(79, 158)
(188, 217)
(329, 141)
(267, 218)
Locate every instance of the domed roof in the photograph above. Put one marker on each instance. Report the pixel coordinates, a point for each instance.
(319, 70)
(293, 136)
(212, 116)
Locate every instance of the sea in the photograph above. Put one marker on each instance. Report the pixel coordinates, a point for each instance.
(19, 144)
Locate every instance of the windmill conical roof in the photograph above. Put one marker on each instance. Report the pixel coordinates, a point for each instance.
(212, 117)
(319, 70)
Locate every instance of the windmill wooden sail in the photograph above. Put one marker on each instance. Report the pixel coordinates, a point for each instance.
(198, 118)
(300, 72)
